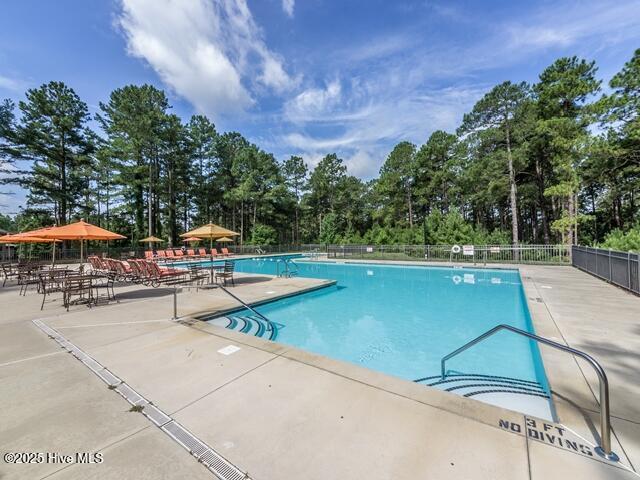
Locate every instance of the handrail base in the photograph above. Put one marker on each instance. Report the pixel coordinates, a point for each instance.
(611, 456)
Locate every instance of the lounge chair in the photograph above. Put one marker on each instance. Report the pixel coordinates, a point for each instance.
(214, 253)
(167, 275)
(178, 253)
(170, 255)
(225, 252)
(161, 254)
(227, 272)
(202, 252)
(148, 254)
(191, 253)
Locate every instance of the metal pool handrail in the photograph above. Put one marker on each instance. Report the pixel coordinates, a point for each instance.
(604, 449)
(269, 322)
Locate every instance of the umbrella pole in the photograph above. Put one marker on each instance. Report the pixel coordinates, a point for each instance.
(53, 255)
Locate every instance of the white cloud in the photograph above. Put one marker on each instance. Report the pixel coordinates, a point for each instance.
(210, 52)
(287, 6)
(12, 84)
(313, 102)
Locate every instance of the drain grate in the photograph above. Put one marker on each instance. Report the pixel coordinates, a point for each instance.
(109, 378)
(185, 438)
(156, 415)
(94, 366)
(130, 395)
(221, 467)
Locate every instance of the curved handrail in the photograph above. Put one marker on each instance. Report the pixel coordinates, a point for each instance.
(249, 307)
(605, 421)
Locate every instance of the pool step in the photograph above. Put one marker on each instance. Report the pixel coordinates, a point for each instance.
(471, 385)
(248, 324)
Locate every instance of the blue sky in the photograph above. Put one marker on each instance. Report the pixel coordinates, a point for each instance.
(308, 77)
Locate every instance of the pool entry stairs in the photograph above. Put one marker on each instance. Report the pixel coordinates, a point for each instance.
(473, 385)
(249, 324)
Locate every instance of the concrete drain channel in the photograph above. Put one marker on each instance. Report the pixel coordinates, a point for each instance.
(212, 460)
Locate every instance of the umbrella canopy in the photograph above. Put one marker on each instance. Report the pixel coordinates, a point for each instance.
(192, 239)
(21, 238)
(80, 231)
(151, 239)
(224, 240)
(210, 231)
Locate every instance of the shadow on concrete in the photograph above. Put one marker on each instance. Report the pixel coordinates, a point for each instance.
(143, 293)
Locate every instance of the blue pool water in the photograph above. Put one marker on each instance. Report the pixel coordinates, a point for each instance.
(402, 320)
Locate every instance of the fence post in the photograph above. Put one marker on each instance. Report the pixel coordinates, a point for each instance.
(610, 266)
(629, 269)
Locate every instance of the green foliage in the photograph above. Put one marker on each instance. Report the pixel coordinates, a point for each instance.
(623, 241)
(264, 235)
(329, 229)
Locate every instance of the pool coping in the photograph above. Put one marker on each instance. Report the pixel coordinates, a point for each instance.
(469, 408)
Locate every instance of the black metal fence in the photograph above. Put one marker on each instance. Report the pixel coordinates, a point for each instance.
(541, 254)
(620, 268)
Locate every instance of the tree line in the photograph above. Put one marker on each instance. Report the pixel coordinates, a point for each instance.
(557, 161)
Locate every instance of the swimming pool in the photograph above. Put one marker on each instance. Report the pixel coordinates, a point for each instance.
(401, 320)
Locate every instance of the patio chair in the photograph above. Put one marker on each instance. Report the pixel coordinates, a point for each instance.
(178, 253)
(227, 272)
(51, 281)
(202, 252)
(197, 275)
(77, 286)
(9, 271)
(161, 254)
(148, 254)
(225, 252)
(170, 255)
(214, 253)
(191, 253)
(167, 275)
(28, 275)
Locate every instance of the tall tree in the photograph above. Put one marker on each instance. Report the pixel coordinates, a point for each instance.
(295, 172)
(495, 113)
(397, 180)
(562, 92)
(323, 182)
(53, 133)
(133, 120)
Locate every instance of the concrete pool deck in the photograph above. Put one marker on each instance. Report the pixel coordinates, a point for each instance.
(278, 412)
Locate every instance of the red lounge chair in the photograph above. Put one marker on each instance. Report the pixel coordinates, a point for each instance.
(163, 275)
(225, 252)
(178, 253)
(161, 254)
(192, 253)
(214, 253)
(170, 254)
(202, 252)
(148, 254)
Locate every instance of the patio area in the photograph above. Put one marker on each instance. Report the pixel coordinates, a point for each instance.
(274, 411)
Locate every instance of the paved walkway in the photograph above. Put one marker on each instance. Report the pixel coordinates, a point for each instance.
(279, 412)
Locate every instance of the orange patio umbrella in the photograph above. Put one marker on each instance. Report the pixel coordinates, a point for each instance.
(21, 238)
(80, 231)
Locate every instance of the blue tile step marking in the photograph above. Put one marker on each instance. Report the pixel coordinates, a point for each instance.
(248, 324)
(469, 385)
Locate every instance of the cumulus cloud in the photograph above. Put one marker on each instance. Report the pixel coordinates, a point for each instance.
(210, 52)
(287, 6)
(314, 102)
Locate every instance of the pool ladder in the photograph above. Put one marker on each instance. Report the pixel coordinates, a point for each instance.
(287, 271)
(604, 449)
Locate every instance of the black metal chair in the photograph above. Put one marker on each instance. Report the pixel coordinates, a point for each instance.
(227, 272)
(9, 271)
